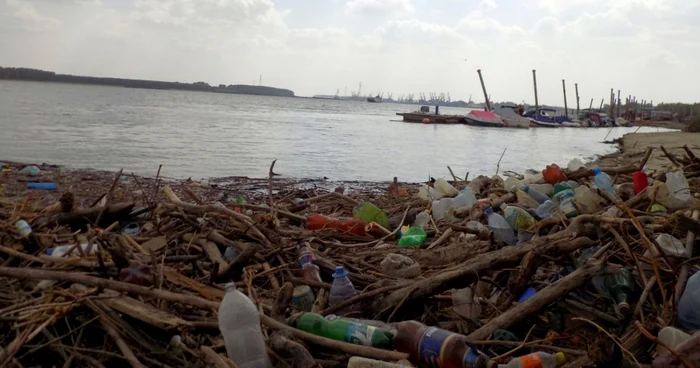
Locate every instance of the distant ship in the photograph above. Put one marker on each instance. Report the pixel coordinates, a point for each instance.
(375, 99)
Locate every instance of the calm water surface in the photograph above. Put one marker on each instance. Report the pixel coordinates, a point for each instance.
(197, 134)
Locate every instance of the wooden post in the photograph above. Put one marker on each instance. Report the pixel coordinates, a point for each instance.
(483, 87)
(600, 109)
(577, 100)
(534, 81)
(612, 103)
(566, 108)
(618, 103)
(590, 106)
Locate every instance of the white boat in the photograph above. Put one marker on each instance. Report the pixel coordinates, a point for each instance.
(511, 118)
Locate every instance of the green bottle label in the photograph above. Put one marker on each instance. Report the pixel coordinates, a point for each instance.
(359, 334)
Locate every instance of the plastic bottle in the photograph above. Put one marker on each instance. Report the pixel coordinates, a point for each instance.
(546, 210)
(303, 298)
(564, 197)
(368, 322)
(621, 285)
(552, 174)
(542, 188)
(239, 323)
(422, 220)
(428, 193)
(230, 254)
(306, 262)
(671, 246)
(533, 177)
(413, 237)
(440, 207)
(445, 188)
(689, 305)
(345, 330)
(342, 289)
(604, 182)
(501, 230)
(60, 250)
(672, 337)
(575, 164)
(368, 212)
(359, 362)
(534, 194)
(435, 347)
(346, 226)
(588, 200)
(677, 186)
(640, 181)
(525, 200)
(518, 219)
(23, 228)
(465, 198)
(689, 349)
(29, 170)
(511, 184)
(536, 360)
(42, 186)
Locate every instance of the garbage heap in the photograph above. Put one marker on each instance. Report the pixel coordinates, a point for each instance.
(577, 266)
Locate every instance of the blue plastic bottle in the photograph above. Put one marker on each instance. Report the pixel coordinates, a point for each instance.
(689, 305)
(342, 289)
(603, 181)
(500, 227)
(539, 197)
(43, 186)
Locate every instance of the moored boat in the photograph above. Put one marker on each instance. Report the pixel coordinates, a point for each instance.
(484, 118)
(510, 117)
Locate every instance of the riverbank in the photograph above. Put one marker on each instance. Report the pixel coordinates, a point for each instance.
(633, 146)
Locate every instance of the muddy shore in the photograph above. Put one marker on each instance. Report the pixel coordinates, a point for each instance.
(633, 146)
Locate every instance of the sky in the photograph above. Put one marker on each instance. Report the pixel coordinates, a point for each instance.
(646, 48)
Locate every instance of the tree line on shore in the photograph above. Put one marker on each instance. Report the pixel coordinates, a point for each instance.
(28, 74)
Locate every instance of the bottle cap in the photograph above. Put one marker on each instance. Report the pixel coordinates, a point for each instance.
(488, 211)
(624, 307)
(340, 272)
(597, 170)
(561, 358)
(526, 188)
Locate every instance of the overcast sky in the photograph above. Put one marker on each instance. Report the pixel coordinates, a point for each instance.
(648, 48)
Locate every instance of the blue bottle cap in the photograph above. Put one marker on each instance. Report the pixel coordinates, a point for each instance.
(597, 170)
(340, 272)
(526, 188)
(488, 211)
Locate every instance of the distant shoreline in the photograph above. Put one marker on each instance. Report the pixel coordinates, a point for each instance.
(36, 75)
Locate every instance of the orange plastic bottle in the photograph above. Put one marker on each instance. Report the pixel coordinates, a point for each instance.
(553, 174)
(346, 226)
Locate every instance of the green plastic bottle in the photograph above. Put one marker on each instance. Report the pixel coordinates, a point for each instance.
(368, 212)
(621, 287)
(345, 330)
(414, 237)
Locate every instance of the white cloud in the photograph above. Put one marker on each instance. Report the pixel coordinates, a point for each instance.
(379, 7)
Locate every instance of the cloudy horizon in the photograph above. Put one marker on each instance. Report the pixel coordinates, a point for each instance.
(645, 48)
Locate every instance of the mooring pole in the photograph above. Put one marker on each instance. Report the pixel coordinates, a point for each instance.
(577, 105)
(566, 108)
(618, 103)
(483, 87)
(612, 103)
(590, 106)
(600, 109)
(534, 81)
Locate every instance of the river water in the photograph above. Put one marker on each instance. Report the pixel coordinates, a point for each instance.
(199, 134)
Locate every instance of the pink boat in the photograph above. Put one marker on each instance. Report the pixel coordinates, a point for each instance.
(483, 118)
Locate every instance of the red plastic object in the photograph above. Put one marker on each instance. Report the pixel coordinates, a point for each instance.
(640, 181)
(347, 226)
(553, 174)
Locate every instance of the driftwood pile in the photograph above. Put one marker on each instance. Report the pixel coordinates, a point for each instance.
(150, 298)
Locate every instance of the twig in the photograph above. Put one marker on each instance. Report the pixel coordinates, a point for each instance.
(517, 347)
(269, 184)
(109, 193)
(498, 165)
(454, 177)
(609, 335)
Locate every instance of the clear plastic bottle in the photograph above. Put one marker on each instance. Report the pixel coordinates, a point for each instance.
(534, 194)
(342, 289)
(689, 305)
(440, 207)
(466, 198)
(603, 181)
(536, 360)
(501, 230)
(546, 210)
(422, 220)
(588, 200)
(564, 197)
(525, 200)
(239, 323)
(542, 188)
(518, 219)
(672, 337)
(512, 184)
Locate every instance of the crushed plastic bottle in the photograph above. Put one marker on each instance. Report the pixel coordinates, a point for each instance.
(525, 200)
(368, 212)
(689, 304)
(564, 197)
(534, 194)
(413, 237)
(511, 184)
(547, 210)
(536, 360)
(239, 323)
(604, 182)
(500, 227)
(345, 330)
(342, 289)
(588, 200)
(575, 164)
(445, 188)
(31, 170)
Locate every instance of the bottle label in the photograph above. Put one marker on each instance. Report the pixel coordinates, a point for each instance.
(305, 258)
(359, 334)
(530, 361)
(471, 359)
(431, 345)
